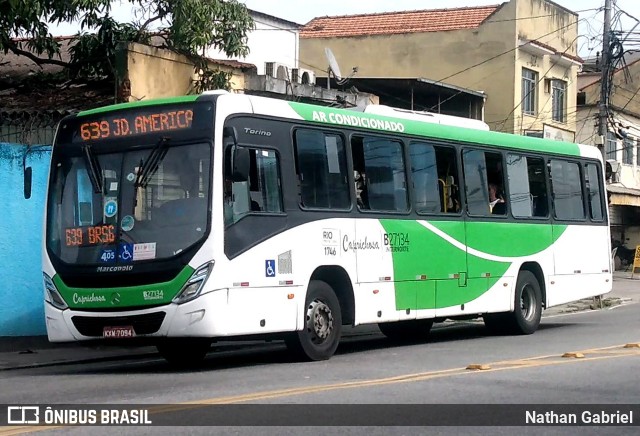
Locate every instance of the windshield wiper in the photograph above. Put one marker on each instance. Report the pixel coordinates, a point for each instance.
(151, 165)
(94, 170)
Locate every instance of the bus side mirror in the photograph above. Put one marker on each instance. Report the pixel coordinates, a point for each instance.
(28, 176)
(240, 164)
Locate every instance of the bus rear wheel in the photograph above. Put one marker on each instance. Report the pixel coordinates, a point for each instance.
(319, 338)
(184, 352)
(525, 319)
(410, 330)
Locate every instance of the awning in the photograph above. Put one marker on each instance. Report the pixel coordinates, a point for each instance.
(621, 196)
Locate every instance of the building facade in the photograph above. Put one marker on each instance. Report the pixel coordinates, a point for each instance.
(273, 44)
(620, 146)
(522, 54)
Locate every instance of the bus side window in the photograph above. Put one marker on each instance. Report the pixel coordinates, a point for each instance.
(566, 188)
(321, 165)
(527, 186)
(260, 193)
(380, 162)
(435, 178)
(594, 192)
(484, 183)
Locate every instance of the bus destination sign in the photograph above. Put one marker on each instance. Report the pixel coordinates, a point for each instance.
(123, 124)
(87, 236)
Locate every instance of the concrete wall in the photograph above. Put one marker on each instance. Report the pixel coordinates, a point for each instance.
(22, 311)
(481, 59)
(156, 73)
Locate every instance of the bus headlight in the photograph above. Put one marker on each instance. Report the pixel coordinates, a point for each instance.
(194, 285)
(55, 298)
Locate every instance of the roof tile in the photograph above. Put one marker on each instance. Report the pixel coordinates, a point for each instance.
(434, 20)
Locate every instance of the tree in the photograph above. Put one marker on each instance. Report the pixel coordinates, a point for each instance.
(185, 26)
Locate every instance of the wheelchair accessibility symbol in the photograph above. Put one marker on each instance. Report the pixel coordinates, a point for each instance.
(125, 252)
(270, 268)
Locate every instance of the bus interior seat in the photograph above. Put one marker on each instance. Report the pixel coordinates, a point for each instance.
(499, 209)
(540, 207)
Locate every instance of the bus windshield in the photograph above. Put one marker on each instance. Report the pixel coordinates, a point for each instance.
(123, 207)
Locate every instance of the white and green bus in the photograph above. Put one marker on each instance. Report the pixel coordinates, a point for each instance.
(193, 219)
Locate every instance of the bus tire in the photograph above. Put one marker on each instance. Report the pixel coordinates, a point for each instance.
(184, 352)
(525, 318)
(409, 330)
(319, 338)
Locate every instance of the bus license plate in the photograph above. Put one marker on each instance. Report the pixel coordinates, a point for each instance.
(118, 332)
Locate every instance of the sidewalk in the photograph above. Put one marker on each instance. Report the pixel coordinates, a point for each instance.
(33, 352)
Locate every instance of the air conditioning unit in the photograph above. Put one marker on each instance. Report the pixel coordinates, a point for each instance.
(612, 171)
(277, 70)
(303, 76)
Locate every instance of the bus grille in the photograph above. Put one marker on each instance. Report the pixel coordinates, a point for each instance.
(142, 324)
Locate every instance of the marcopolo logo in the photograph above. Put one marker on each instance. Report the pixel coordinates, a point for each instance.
(90, 298)
(114, 268)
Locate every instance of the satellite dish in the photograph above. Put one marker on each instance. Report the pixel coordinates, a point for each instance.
(333, 64)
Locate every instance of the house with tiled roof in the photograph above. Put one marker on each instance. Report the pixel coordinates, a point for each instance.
(520, 55)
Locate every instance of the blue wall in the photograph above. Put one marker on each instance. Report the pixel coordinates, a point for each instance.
(21, 294)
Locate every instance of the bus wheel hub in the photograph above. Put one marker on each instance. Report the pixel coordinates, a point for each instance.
(320, 319)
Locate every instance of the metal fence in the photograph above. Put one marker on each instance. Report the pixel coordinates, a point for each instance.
(29, 127)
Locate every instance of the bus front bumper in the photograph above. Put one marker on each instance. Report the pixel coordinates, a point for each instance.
(192, 319)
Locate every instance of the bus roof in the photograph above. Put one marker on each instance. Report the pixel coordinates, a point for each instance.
(382, 119)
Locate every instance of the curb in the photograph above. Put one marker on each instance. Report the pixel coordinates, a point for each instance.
(86, 360)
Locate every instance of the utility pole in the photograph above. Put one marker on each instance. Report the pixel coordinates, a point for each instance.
(604, 81)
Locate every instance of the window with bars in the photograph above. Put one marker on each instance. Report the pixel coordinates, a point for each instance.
(611, 146)
(559, 101)
(627, 151)
(529, 81)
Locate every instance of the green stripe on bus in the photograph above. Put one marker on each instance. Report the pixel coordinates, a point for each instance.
(346, 118)
(431, 272)
(128, 296)
(134, 104)
(523, 239)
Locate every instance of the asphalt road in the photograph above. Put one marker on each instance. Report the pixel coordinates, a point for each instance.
(368, 369)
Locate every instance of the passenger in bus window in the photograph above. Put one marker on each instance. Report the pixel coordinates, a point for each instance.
(361, 190)
(496, 202)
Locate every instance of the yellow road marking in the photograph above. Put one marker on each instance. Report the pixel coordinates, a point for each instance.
(611, 352)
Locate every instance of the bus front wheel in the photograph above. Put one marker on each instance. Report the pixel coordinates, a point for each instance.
(319, 338)
(184, 352)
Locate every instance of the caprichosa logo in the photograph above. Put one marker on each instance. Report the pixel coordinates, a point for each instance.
(362, 244)
(250, 131)
(92, 298)
(114, 268)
